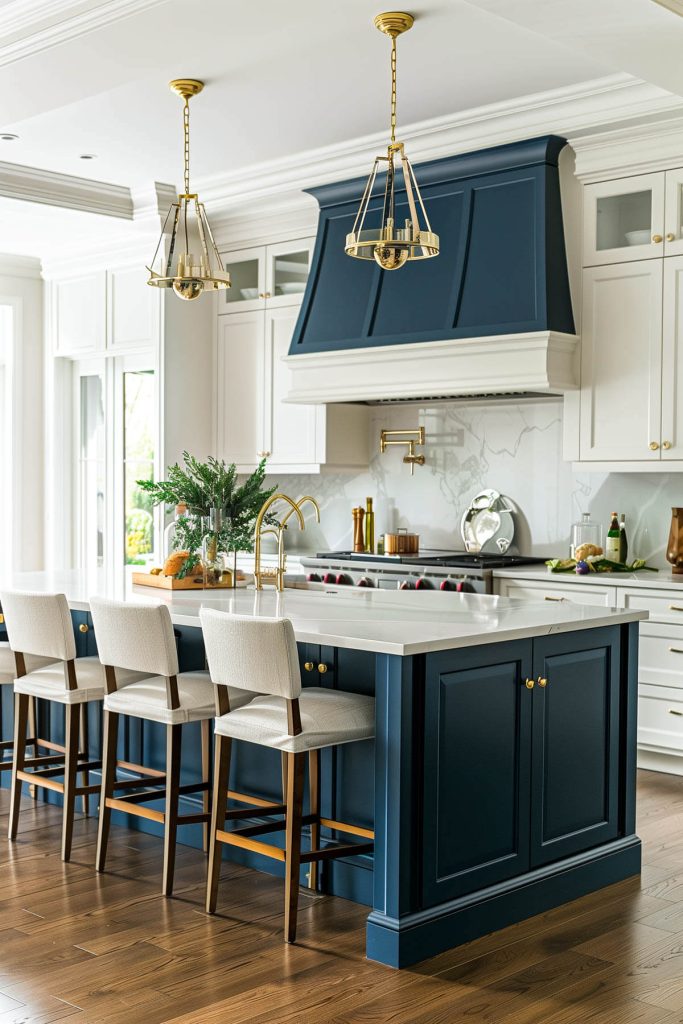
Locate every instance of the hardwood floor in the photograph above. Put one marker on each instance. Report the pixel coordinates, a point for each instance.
(109, 949)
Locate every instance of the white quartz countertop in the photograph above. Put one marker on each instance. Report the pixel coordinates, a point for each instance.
(540, 573)
(389, 622)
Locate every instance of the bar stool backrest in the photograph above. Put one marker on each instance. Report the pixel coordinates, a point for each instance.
(39, 624)
(135, 636)
(251, 654)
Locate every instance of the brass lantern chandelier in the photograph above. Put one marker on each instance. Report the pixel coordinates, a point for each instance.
(192, 265)
(389, 244)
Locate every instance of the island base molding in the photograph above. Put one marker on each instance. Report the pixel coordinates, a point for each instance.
(415, 937)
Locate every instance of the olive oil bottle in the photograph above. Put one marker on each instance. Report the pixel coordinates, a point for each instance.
(613, 540)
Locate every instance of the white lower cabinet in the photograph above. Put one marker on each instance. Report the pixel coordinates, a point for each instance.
(531, 590)
(253, 421)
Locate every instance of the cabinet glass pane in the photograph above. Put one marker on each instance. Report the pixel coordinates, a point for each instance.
(138, 464)
(624, 220)
(243, 279)
(290, 271)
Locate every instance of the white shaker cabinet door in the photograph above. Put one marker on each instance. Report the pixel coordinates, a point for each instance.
(621, 362)
(294, 434)
(672, 361)
(239, 389)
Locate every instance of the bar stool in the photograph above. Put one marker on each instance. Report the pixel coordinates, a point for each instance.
(262, 654)
(8, 673)
(140, 637)
(39, 625)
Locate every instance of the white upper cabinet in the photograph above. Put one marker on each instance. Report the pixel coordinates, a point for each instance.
(133, 309)
(79, 312)
(266, 276)
(621, 362)
(673, 216)
(239, 391)
(623, 220)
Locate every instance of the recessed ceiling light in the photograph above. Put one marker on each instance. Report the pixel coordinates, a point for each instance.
(88, 156)
(8, 137)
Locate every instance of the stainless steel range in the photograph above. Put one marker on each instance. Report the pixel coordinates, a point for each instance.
(430, 570)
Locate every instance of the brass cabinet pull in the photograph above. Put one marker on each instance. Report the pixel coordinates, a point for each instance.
(264, 455)
(2, 617)
(666, 445)
(675, 608)
(529, 683)
(675, 711)
(676, 650)
(546, 598)
(653, 446)
(657, 239)
(542, 682)
(322, 668)
(309, 666)
(84, 627)
(670, 237)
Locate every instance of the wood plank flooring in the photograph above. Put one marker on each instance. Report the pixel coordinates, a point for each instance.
(108, 949)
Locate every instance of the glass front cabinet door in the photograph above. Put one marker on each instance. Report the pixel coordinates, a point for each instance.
(287, 271)
(266, 276)
(624, 220)
(247, 291)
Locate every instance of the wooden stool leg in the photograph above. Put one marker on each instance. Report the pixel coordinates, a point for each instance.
(18, 759)
(70, 770)
(283, 759)
(221, 779)
(295, 795)
(173, 739)
(314, 800)
(206, 777)
(84, 746)
(110, 729)
(33, 734)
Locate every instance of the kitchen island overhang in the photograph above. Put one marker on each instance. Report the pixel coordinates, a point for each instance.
(504, 755)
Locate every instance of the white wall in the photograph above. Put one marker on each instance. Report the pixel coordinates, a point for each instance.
(515, 448)
(21, 288)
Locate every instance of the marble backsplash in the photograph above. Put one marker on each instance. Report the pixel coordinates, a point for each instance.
(512, 446)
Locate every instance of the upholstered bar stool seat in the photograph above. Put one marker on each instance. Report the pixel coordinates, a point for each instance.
(328, 718)
(148, 699)
(261, 654)
(8, 668)
(48, 682)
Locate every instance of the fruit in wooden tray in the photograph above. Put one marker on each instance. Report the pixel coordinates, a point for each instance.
(175, 562)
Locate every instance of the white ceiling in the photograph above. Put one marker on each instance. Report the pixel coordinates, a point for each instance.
(282, 78)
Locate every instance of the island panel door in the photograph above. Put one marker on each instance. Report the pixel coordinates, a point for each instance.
(575, 759)
(477, 760)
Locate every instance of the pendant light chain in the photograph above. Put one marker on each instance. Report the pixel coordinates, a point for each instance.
(186, 152)
(393, 89)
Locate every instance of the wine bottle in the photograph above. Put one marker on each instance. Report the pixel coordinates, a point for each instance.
(613, 539)
(623, 540)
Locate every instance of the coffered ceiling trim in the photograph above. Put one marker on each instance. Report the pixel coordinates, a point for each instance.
(39, 186)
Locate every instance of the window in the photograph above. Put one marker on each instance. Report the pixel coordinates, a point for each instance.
(138, 464)
(91, 470)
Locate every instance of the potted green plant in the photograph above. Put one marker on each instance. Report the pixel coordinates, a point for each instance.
(207, 486)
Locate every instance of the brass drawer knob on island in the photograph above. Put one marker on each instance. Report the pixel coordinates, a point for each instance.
(322, 668)
(309, 666)
(84, 627)
(542, 682)
(529, 683)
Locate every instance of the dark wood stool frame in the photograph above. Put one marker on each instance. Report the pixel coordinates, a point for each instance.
(291, 825)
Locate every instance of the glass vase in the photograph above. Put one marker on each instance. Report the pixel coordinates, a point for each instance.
(213, 559)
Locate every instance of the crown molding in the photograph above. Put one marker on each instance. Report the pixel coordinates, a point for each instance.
(19, 266)
(32, 26)
(53, 189)
(637, 149)
(571, 110)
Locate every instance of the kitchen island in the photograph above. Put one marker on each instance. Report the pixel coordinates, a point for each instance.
(504, 755)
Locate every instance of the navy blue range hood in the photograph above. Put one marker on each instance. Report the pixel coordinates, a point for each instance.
(502, 271)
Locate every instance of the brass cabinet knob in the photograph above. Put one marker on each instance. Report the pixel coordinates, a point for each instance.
(670, 237)
(84, 627)
(264, 455)
(309, 666)
(542, 682)
(529, 683)
(657, 239)
(653, 446)
(666, 445)
(322, 668)
(2, 617)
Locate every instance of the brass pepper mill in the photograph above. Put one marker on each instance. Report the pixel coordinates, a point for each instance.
(674, 549)
(358, 533)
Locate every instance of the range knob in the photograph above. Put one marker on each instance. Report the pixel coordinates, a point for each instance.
(365, 581)
(313, 577)
(448, 585)
(329, 577)
(406, 585)
(464, 587)
(424, 584)
(343, 580)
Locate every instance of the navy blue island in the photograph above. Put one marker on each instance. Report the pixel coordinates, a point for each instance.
(501, 780)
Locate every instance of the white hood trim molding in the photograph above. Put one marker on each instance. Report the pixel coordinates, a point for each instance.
(544, 362)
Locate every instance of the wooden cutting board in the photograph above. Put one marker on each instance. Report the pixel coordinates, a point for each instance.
(147, 579)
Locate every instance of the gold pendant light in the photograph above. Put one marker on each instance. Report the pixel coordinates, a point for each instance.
(193, 264)
(391, 245)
